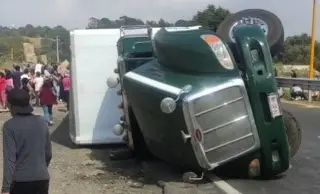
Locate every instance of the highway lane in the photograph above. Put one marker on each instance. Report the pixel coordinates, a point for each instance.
(304, 176)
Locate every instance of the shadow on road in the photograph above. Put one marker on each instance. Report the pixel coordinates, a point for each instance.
(150, 172)
(60, 135)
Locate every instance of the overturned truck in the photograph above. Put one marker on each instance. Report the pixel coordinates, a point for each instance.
(203, 99)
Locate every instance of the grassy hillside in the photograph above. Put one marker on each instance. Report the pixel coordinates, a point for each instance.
(12, 51)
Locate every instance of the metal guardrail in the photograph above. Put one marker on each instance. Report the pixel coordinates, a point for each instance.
(303, 83)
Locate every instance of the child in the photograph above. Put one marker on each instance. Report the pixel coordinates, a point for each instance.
(3, 86)
(47, 100)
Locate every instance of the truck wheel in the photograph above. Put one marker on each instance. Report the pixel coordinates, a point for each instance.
(293, 132)
(140, 147)
(269, 23)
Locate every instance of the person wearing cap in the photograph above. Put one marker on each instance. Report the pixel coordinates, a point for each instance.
(26, 148)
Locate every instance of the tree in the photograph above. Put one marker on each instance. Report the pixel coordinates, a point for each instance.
(182, 23)
(211, 17)
(30, 31)
(297, 51)
(93, 23)
(125, 20)
(162, 23)
(152, 23)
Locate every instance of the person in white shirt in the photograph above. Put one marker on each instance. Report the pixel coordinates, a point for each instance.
(25, 74)
(46, 73)
(38, 82)
(296, 92)
(38, 68)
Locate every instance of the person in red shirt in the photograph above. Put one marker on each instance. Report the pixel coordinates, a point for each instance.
(47, 100)
(3, 86)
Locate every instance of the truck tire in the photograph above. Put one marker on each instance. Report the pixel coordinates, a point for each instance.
(293, 131)
(269, 22)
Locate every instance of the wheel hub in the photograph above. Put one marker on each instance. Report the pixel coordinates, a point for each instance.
(249, 21)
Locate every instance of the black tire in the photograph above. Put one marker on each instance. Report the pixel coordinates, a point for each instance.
(275, 35)
(294, 133)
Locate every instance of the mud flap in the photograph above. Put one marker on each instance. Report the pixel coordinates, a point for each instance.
(257, 70)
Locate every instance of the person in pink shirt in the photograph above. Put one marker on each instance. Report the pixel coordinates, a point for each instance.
(3, 96)
(66, 83)
(9, 80)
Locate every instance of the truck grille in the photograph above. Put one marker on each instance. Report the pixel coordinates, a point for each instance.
(224, 119)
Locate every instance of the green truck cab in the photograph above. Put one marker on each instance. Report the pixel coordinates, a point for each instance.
(202, 102)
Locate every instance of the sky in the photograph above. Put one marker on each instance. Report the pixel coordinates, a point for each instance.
(295, 14)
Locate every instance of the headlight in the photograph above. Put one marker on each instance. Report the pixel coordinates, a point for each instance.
(219, 49)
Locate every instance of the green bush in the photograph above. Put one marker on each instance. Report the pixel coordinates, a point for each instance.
(286, 93)
(287, 73)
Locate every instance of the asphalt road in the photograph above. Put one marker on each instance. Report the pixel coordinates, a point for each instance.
(304, 176)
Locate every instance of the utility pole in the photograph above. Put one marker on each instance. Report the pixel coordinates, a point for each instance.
(312, 45)
(57, 45)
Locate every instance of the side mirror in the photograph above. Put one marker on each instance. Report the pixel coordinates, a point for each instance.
(168, 105)
(113, 82)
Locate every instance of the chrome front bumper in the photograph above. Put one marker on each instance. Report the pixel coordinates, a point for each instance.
(223, 116)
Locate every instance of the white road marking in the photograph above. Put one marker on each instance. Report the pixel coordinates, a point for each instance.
(223, 185)
(319, 137)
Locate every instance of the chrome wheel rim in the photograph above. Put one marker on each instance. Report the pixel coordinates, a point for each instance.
(249, 21)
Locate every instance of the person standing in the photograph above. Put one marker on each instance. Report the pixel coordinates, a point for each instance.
(26, 156)
(25, 74)
(38, 82)
(56, 83)
(66, 82)
(9, 80)
(38, 68)
(47, 100)
(3, 86)
(31, 77)
(46, 72)
(16, 76)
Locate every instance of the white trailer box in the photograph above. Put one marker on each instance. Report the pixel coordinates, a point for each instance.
(93, 106)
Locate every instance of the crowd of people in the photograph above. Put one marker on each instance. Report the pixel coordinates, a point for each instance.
(45, 85)
(26, 141)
